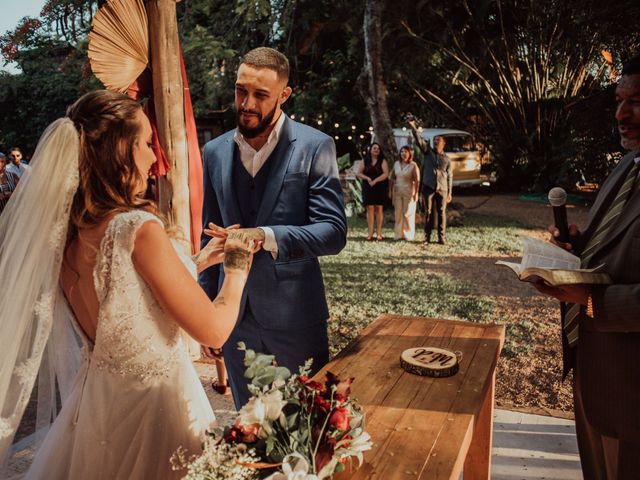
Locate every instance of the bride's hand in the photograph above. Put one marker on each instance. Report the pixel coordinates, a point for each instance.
(213, 252)
(238, 252)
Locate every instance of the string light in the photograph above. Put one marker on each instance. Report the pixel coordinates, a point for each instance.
(336, 125)
(370, 128)
(350, 137)
(353, 127)
(337, 137)
(302, 119)
(319, 122)
(361, 136)
(293, 116)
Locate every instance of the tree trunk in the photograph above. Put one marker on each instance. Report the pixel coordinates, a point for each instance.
(376, 93)
(169, 106)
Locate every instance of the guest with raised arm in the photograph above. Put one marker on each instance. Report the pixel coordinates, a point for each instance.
(437, 183)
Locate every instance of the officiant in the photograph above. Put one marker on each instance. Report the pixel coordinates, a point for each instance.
(601, 323)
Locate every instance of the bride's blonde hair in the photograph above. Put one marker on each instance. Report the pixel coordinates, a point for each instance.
(109, 178)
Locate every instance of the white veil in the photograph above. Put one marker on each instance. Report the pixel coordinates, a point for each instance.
(33, 230)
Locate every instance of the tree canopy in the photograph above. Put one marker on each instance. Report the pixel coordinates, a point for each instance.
(533, 80)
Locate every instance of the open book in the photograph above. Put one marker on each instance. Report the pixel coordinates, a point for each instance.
(544, 261)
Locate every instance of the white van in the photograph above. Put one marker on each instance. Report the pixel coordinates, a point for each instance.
(459, 146)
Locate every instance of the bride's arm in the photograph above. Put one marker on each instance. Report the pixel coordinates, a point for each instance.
(209, 323)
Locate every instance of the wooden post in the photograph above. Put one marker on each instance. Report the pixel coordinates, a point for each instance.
(168, 96)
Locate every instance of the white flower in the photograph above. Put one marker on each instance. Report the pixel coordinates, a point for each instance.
(294, 467)
(354, 447)
(263, 409)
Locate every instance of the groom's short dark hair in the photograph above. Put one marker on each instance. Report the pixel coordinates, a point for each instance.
(264, 57)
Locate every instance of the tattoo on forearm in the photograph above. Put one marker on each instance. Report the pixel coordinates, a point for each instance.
(236, 259)
(219, 301)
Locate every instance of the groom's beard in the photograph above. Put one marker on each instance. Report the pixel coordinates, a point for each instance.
(263, 123)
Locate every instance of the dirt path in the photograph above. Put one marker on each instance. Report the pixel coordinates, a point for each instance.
(532, 380)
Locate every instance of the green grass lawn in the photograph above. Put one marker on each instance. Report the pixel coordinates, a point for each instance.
(370, 278)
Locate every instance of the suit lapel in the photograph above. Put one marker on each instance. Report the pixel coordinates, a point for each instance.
(229, 204)
(280, 161)
(607, 194)
(630, 211)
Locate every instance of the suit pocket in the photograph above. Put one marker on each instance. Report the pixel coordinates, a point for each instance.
(291, 207)
(296, 177)
(293, 268)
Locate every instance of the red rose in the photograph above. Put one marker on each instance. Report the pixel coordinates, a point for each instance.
(313, 385)
(340, 419)
(233, 435)
(325, 453)
(343, 387)
(322, 404)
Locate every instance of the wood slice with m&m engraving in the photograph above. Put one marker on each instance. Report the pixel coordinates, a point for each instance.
(430, 361)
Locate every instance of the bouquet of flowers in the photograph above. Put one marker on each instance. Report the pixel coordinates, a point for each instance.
(305, 430)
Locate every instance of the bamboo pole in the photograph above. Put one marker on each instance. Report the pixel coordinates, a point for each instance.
(168, 94)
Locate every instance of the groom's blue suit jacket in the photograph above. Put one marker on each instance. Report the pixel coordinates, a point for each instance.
(303, 205)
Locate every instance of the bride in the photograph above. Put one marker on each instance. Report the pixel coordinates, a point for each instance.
(96, 300)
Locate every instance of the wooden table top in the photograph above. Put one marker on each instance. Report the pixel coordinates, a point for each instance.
(420, 426)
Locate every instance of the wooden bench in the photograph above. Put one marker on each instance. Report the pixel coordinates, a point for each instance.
(423, 427)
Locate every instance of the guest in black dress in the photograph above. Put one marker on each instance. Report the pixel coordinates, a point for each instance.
(373, 172)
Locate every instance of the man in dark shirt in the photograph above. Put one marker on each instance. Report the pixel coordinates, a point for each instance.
(437, 182)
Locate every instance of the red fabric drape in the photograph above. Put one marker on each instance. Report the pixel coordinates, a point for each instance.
(195, 165)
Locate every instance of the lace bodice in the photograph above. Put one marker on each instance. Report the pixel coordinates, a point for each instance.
(135, 337)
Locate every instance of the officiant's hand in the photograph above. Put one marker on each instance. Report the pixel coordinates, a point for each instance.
(566, 293)
(574, 234)
(213, 252)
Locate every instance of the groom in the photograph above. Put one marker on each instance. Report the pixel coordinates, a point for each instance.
(278, 179)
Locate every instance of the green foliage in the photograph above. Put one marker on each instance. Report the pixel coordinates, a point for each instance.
(53, 76)
(526, 77)
(51, 54)
(261, 368)
(353, 198)
(520, 339)
(344, 162)
(368, 279)
(533, 71)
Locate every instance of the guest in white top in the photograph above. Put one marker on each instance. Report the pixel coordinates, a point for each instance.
(403, 189)
(16, 166)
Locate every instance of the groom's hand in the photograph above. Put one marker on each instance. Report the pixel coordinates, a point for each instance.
(256, 234)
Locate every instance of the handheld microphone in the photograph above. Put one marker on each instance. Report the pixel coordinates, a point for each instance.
(557, 199)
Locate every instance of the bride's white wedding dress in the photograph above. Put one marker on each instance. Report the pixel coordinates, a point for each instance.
(136, 397)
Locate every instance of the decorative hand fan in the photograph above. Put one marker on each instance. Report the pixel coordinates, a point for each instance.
(119, 43)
